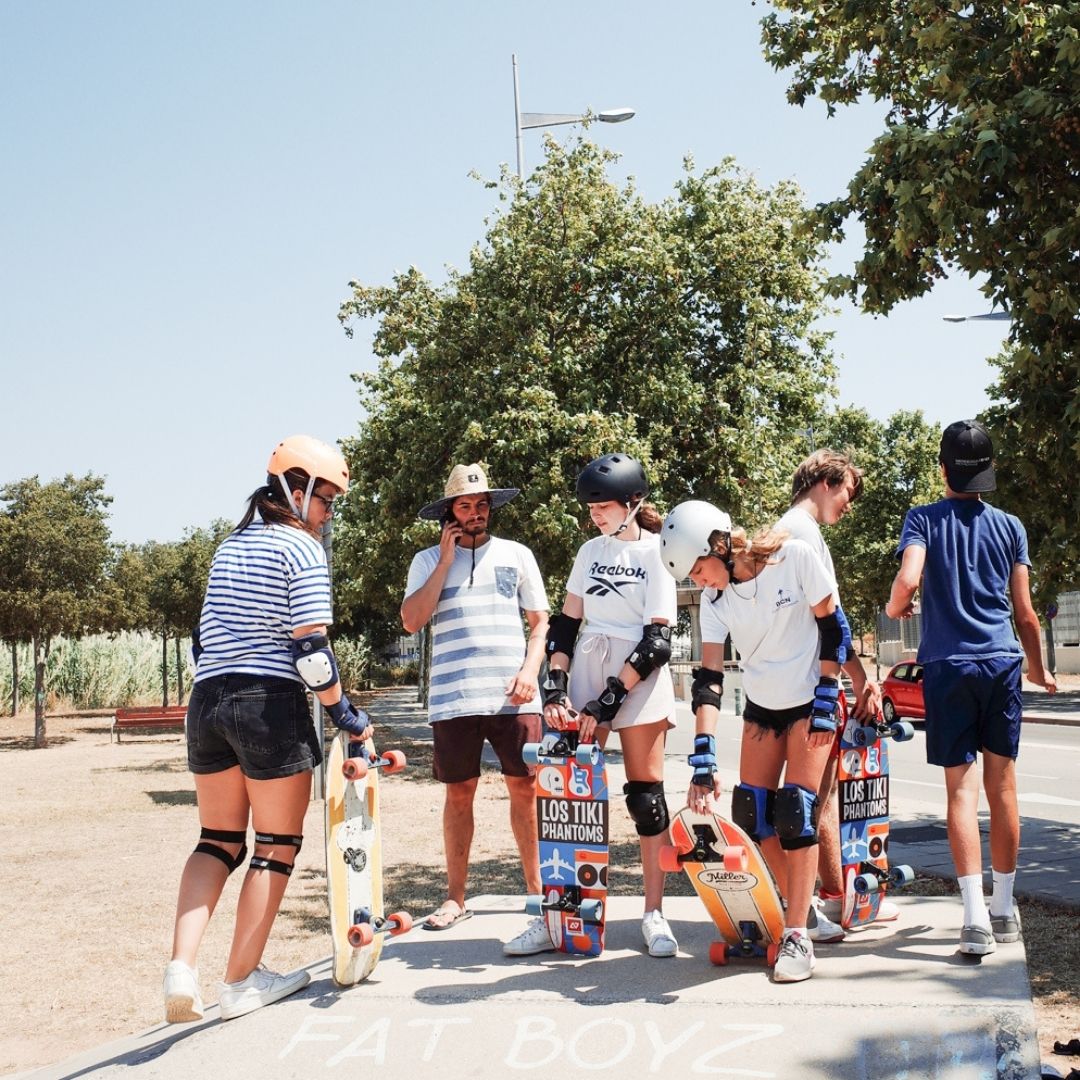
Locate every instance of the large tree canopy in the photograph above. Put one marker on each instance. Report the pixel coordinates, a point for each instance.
(588, 321)
(978, 168)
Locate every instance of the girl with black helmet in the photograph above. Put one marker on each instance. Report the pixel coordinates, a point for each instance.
(614, 672)
(773, 596)
(250, 738)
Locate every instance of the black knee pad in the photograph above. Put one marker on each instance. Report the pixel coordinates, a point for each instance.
(647, 805)
(753, 810)
(797, 811)
(260, 862)
(223, 836)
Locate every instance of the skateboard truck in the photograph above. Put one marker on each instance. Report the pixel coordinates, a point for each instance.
(568, 901)
(734, 857)
(365, 926)
(360, 759)
(865, 734)
(562, 744)
(871, 878)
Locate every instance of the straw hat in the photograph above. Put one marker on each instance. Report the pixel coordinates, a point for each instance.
(466, 480)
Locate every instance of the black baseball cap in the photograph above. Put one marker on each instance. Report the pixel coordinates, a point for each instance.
(968, 456)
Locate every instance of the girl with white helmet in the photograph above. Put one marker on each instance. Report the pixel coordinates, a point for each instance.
(774, 598)
(250, 737)
(615, 627)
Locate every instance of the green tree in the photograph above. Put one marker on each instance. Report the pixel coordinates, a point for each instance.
(54, 554)
(978, 169)
(588, 320)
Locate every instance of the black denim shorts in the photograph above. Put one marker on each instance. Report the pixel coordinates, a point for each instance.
(775, 721)
(261, 723)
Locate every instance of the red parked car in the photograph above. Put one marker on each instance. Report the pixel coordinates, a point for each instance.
(901, 692)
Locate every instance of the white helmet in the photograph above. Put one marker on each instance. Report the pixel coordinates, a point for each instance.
(684, 537)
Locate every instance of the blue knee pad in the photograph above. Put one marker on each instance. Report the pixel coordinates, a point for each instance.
(797, 810)
(752, 809)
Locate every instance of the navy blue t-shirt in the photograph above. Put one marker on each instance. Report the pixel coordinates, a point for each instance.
(971, 549)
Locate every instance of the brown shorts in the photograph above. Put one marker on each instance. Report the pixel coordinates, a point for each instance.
(459, 742)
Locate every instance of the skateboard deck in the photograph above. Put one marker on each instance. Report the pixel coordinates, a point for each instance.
(729, 873)
(354, 882)
(572, 815)
(863, 791)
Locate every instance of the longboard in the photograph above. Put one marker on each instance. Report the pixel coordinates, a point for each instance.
(572, 815)
(729, 873)
(863, 782)
(354, 881)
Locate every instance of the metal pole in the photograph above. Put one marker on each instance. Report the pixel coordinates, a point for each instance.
(517, 121)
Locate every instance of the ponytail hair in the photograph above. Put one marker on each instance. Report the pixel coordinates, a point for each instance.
(761, 547)
(270, 503)
(648, 517)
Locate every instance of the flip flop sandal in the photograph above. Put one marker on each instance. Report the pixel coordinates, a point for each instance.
(440, 911)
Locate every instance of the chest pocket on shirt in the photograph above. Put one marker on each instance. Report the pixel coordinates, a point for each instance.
(506, 580)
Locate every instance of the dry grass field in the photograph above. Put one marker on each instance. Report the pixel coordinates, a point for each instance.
(95, 836)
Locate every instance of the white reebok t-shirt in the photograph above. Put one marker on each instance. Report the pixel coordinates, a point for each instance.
(772, 625)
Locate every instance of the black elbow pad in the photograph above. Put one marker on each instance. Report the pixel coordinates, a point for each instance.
(652, 651)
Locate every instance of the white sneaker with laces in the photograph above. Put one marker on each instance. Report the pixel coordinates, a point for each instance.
(533, 939)
(832, 909)
(657, 934)
(183, 1002)
(820, 928)
(261, 987)
(796, 960)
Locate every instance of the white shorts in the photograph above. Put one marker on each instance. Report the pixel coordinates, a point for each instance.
(598, 656)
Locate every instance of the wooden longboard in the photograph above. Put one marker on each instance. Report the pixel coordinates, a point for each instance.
(572, 815)
(738, 893)
(354, 869)
(863, 792)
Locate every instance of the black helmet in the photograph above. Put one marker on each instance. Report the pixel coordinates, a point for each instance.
(612, 478)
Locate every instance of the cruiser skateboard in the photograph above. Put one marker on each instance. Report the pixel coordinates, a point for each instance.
(572, 814)
(863, 791)
(358, 924)
(728, 872)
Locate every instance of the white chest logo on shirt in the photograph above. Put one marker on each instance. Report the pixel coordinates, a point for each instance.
(604, 577)
(783, 599)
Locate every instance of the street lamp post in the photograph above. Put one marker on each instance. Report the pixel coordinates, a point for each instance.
(526, 121)
(991, 316)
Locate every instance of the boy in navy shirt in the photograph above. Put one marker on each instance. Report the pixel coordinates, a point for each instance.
(971, 560)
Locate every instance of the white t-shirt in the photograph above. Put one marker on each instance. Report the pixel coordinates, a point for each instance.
(477, 639)
(772, 625)
(623, 585)
(801, 525)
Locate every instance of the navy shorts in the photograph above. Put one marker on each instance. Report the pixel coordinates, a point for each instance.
(261, 723)
(459, 742)
(972, 705)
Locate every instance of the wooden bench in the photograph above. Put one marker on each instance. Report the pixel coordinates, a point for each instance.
(148, 718)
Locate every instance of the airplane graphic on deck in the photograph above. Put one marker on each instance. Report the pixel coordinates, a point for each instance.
(557, 865)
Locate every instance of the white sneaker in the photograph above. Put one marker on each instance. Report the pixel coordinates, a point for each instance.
(533, 939)
(261, 987)
(888, 912)
(657, 934)
(833, 910)
(796, 960)
(820, 928)
(183, 1002)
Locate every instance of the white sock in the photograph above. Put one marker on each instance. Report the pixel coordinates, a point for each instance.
(1001, 903)
(800, 930)
(971, 891)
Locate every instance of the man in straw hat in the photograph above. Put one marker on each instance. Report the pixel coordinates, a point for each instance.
(473, 587)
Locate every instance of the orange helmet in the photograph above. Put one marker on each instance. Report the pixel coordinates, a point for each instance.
(318, 459)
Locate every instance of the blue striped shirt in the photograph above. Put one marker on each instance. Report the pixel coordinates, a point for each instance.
(264, 582)
(478, 642)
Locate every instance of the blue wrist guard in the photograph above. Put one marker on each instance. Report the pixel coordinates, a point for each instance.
(703, 760)
(348, 717)
(826, 705)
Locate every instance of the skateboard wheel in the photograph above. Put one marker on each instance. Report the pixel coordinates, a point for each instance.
(530, 753)
(863, 736)
(736, 858)
(402, 921)
(360, 935)
(771, 953)
(718, 953)
(669, 859)
(534, 905)
(395, 761)
(902, 730)
(865, 884)
(354, 768)
(901, 875)
(586, 754)
(592, 910)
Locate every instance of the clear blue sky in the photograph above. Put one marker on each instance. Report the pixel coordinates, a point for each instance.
(188, 188)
